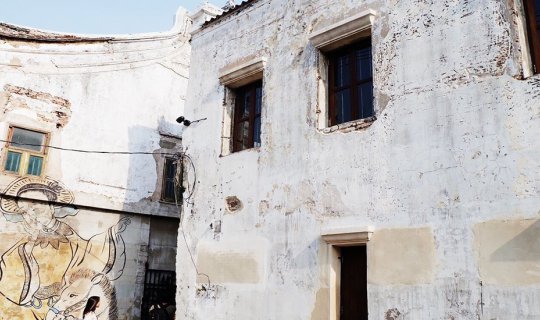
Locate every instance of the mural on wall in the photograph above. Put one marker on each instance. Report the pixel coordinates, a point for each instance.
(47, 270)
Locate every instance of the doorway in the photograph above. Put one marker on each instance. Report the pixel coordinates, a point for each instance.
(353, 291)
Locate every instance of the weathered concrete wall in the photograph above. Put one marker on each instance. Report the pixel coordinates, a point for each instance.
(120, 93)
(162, 246)
(447, 175)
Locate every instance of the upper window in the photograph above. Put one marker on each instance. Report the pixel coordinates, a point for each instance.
(25, 151)
(170, 191)
(247, 117)
(350, 83)
(532, 9)
(242, 105)
(346, 73)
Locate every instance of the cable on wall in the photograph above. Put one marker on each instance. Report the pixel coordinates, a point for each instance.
(181, 160)
(178, 181)
(186, 164)
(89, 151)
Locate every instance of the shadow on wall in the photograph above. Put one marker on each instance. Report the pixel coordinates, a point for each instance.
(523, 247)
(508, 251)
(155, 279)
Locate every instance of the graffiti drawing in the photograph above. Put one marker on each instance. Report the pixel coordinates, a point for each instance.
(49, 269)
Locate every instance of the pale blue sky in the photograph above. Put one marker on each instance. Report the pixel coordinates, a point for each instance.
(96, 16)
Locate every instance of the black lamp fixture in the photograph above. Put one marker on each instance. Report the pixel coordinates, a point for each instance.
(187, 122)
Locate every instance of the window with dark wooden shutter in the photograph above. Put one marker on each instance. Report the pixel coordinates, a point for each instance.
(247, 117)
(532, 9)
(170, 192)
(350, 83)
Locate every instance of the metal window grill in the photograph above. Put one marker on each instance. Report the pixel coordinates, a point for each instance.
(159, 286)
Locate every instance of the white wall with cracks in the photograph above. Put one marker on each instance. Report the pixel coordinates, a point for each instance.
(448, 174)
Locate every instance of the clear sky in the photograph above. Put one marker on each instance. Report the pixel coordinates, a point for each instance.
(96, 16)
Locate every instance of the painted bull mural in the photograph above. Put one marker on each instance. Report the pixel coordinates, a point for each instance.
(47, 270)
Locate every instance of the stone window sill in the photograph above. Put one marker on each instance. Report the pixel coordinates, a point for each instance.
(172, 203)
(351, 125)
(245, 151)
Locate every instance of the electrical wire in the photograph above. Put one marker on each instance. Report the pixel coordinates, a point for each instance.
(178, 180)
(89, 151)
(181, 159)
(189, 189)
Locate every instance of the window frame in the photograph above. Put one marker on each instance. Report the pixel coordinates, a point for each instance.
(328, 38)
(176, 189)
(25, 153)
(238, 118)
(233, 76)
(332, 56)
(533, 34)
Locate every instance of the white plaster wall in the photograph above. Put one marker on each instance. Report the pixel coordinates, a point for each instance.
(120, 94)
(123, 93)
(455, 144)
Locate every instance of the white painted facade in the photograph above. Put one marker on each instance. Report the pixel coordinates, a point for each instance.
(93, 93)
(446, 179)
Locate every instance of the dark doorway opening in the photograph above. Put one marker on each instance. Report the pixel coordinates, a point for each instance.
(353, 292)
(159, 286)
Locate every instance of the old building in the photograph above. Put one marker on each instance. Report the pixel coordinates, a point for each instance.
(363, 159)
(88, 156)
(343, 160)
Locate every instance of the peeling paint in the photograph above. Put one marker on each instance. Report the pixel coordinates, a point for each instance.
(233, 204)
(453, 147)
